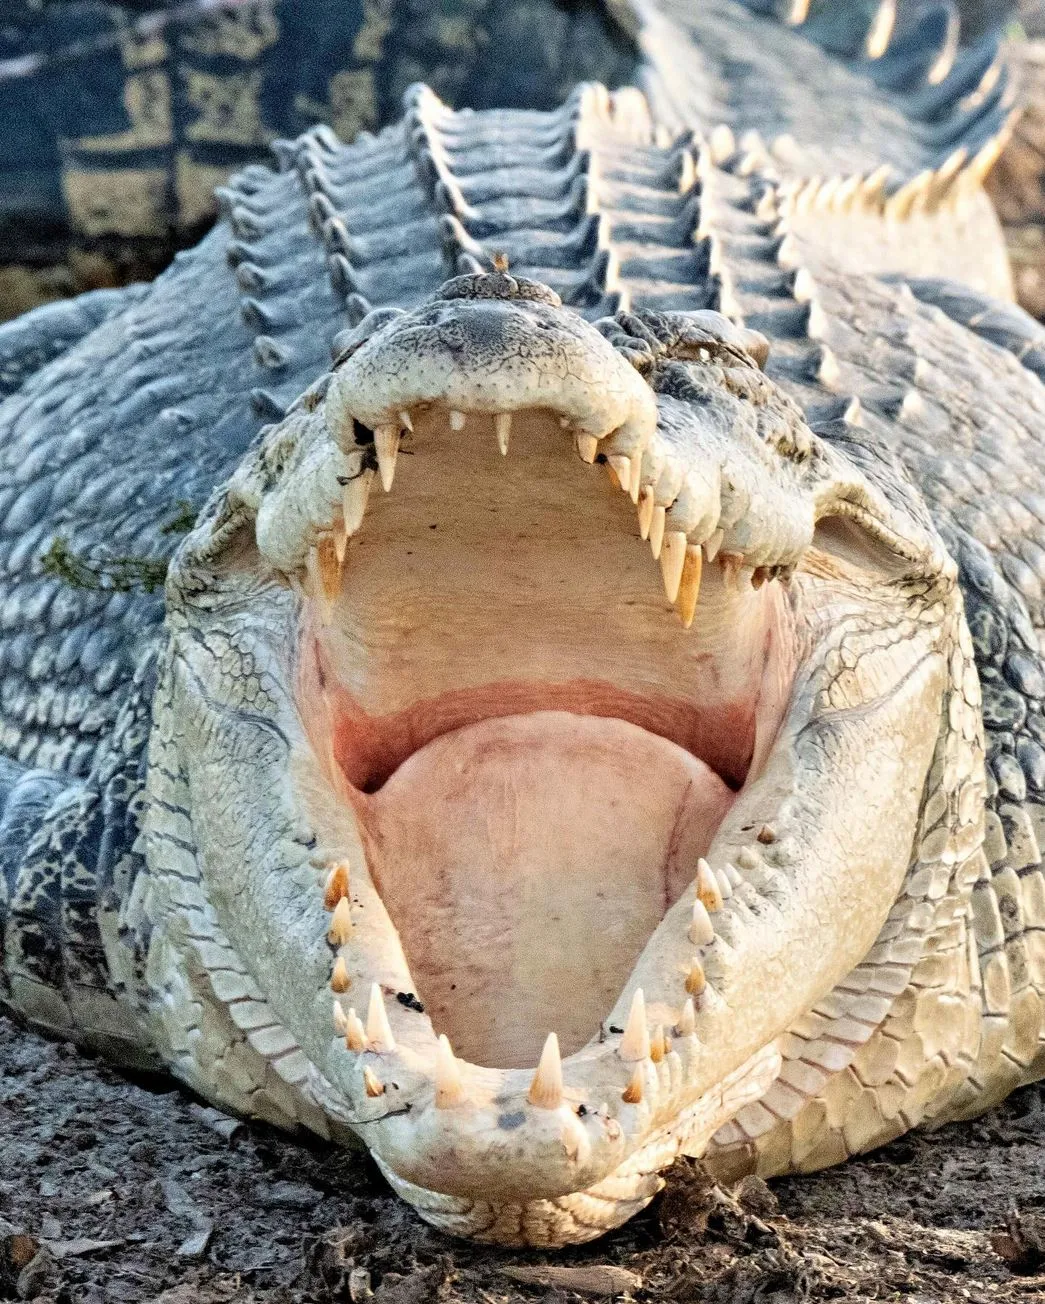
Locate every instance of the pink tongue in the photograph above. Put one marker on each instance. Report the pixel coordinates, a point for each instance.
(526, 861)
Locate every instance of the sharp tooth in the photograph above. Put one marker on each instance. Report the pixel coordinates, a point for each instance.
(660, 1044)
(634, 1045)
(633, 1091)
(734, 875)
(378, 1029)
(355, 1037)
(731, 563)
(689, 585)
(449, 1086)
(635, 476)
(404, 420)
(707, 887)
(574, 1141)
(712, 544)
(339, 979)
(701, 931)
(341, 924)
(324, 573)
(621, 469)
(695, 979)
(587, 448)
(656, 531)
(502, 424)
(337, 885)
(340, 544)
(340, 1019)
(725, 887)
(672, 560)
(386, 441)
(687, 1024)
(354, 500)
(647, 506)
(546, 1088)
(374, 1086)
(457, 419)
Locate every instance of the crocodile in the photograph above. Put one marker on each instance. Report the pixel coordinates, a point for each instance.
(596, 714)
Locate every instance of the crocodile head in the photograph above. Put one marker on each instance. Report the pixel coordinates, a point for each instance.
(532, 848)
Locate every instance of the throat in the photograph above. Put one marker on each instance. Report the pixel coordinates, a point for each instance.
(526, 861)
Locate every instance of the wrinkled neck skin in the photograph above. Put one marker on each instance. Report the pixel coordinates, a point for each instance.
(531, 873)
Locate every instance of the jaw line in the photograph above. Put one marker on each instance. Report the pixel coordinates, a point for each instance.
(496, 1144)
(763, 961)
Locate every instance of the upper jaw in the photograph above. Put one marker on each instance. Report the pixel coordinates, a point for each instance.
(788, 915)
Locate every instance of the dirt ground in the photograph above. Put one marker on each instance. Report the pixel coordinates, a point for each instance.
(127, 1191)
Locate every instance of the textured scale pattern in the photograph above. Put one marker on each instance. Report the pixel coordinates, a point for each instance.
(615, 210)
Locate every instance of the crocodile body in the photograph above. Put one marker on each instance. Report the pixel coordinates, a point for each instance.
(210, 794)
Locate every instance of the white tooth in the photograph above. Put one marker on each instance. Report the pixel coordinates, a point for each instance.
(633, 1091)
(546, 1088)
(587, 448)
(647, 506)
(405, 421)
(339, 979)
(734, 875)
(354, 498)
(635, 477)
(378, 1029)
(502, 424)
(672, 560)
(689, 584)
(656, 531)
(574, 1142)
(355, 1037)
(386, 441)
(634, 1045)
(748, 858)
(457, 419)
(621, 469)
(373, 1084)
(341, 924)
(659, 1045)
(712, 544)
(707, 887)
(336, 885)
(701, 930)
(340, 544)
(324, 575)
(725, 887)
(731, 563)
(340, 1019)
(687, 1024)
(449, 1086)
(695, 979)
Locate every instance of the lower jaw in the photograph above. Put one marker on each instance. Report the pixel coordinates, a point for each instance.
(585, 1215)
(524, 862)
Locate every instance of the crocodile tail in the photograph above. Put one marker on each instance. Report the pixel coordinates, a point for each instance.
(71, 961)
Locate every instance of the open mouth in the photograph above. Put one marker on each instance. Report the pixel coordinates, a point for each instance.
(536, 751)
(600, 725)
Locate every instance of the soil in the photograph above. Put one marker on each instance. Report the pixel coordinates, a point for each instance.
(118, 1190)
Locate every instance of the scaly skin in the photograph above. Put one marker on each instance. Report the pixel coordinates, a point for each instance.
(862, 952)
